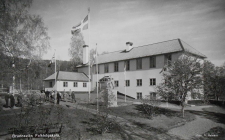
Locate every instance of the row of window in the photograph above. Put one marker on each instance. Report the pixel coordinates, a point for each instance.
(75, 84)
(152, 95)
(152, 63)
(139, 82)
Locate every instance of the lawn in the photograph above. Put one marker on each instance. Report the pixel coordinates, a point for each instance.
(73, 120)
(163, 120)
(215, 109)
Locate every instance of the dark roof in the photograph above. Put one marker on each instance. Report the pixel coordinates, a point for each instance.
(170, 46)
(69, 76)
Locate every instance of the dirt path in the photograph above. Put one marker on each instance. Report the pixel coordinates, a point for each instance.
(197, 127)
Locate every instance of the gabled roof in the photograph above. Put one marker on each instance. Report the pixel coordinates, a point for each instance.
(170, 46)
(68, 76)
(189, 49)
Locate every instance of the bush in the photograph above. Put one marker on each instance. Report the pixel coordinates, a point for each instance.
(195, 102)
(150, 107)
(218, 103)
(101, 123)
(174, 102)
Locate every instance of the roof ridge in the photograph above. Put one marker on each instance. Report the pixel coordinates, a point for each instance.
(71, 71)
(142, 46)
(111, 52)
(156, 43)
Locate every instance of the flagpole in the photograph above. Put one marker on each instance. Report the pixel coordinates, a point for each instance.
(97, 75)
(55, 72)
(125, 82)
(89, 21)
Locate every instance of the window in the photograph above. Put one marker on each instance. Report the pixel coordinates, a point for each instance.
(139, 95)
(139, 82)
(84, 84)
(152, 96)
(152, 82)
(50, 84)
(106, 66)
(139, 63)
(75, 84)
(127, 64)
(116, 67)
(152, 62)
(65, 84)
(168, 59)
(127, 83)
(116, 83)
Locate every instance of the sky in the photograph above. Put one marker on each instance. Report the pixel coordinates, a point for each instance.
(112, 23)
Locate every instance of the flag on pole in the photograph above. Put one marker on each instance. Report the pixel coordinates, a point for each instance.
(52, 61)
(83, 25)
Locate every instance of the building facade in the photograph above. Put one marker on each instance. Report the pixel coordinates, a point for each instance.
(67, 81)
(136, 71)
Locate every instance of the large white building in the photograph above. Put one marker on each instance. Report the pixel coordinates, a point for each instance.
(143, 66)
(67, 81)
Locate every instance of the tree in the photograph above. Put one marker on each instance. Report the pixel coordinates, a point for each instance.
(214, 81)
(182, 77)
(76, 49)
(92, 57)
(21, 34)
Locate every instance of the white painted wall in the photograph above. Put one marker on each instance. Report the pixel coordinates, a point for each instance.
(132, 90)
(70, 86)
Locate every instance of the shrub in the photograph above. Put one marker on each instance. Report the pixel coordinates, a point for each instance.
(150, 107)
(196, 102)
(218, 103)
(101, 123)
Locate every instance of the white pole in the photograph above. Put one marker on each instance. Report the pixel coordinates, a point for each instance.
(125, 81)
(89, 21)
(55, 77)
(97, 75)
(55, 72)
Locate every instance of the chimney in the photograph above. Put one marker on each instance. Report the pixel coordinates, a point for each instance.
(129, 46)
(85, 54)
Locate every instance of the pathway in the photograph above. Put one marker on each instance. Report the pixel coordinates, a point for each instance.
(197, 127)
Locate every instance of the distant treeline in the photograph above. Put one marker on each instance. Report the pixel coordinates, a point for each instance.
(29, 76)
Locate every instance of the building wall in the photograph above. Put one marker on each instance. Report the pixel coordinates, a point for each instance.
(47, 87)
(70, 86)
(133, 74)
(132, 90)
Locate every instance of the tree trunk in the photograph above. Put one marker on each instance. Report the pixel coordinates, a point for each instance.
(182, 109)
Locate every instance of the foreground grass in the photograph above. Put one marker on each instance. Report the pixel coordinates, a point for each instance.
(72, 120)
(163, 120)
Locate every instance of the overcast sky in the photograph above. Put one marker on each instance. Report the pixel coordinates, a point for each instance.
(200, 23)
